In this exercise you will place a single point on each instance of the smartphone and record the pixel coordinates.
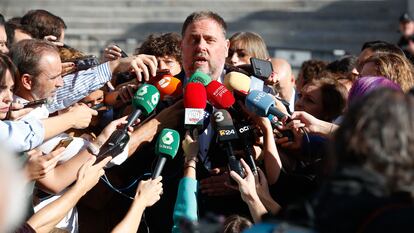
(261, 68)
(123, 53)
(63, 143)
(127, 76)
(98, 106)
(84, 63)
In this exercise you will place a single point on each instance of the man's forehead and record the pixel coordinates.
(3, 35)
(50, 63)
(205, 26)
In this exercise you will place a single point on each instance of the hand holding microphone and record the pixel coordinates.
(191, 146)
(144, 102)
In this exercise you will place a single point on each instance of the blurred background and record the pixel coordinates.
(296, 30)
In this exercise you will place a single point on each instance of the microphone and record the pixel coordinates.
(195, 101)
(245, 132)
(169, 86)
(36, 103)
(263, 104)
(238, 82)
(219, 96)
(144, 102)
(227, 133)
(200, 77)
(166, 148)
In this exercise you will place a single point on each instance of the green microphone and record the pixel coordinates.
(200, 77)
(144, 102)
(166, 148)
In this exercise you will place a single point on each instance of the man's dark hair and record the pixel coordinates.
(379, 46)
(343, 65)
(2, 20)
(333, 95)
(236, 223)
(199, 15)
(26, 55)
(11, 26)
(164, 45)
(41, 23)
(312, 69)
(7, 65)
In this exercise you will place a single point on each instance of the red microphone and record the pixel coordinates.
(195, 101)
(219, 96)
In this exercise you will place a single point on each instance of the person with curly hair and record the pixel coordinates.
(390, 65)
(166, 48)
(309, 70)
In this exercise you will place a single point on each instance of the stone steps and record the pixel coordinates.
(305, 24)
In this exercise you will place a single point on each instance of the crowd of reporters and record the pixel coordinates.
(94, 145)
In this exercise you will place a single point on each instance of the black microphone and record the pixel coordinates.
(226, 133)
(245, 132)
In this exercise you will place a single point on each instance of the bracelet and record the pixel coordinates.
(187, 166)
(330, 130)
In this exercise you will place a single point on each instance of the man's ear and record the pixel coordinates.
(26, 81)
(227, 47)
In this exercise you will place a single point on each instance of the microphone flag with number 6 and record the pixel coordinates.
(166, 148)
(144, 102)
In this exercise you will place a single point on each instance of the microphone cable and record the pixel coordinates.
(105, 179)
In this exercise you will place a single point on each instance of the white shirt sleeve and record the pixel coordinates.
(22, 135)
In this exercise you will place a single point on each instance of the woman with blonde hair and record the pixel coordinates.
(243, 46)
(393, 66)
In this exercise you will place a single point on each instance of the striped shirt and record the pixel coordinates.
(78, 85)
